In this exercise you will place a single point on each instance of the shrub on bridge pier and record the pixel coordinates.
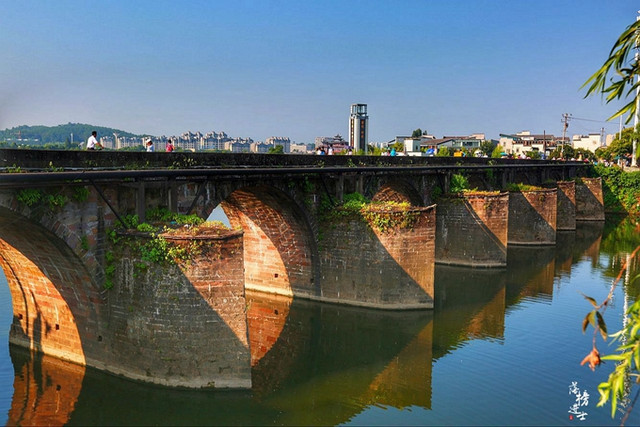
(383, 216)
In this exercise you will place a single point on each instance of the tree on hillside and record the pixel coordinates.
(617, 78)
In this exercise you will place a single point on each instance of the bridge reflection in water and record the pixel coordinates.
(314, 363)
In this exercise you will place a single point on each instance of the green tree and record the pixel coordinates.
(497, 152)
(616, 79)
(621, 145)
(534, 154)
(416, 133)
(444, 152)
(278, 149)
(487, 147)
(399, 146)
(617, 76)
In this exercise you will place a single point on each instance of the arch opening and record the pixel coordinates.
(398, 191)
(53, 296)
(277, 240)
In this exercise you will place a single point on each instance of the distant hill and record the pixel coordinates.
(39, 135)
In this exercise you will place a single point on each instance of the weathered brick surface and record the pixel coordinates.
(56, 305)
(276, 240)
(472, 230)
(362, 266)
(566, 216)
(589, 200)
(397, 191)
(187, 326)
(182, 325)
(532, 217)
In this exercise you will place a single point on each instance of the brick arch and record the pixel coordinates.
(277, 240)
(398, 191)
(55, 302)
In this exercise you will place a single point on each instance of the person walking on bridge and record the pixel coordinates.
(92, 142)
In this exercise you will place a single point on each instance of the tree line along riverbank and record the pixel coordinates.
(621, 190)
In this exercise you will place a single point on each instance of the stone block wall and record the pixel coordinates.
(533, 217)
(589, 200)
(360, 265)
(181, 325)
(472, 229)
(566, 215)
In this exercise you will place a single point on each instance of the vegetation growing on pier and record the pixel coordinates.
(379, 215)
(164, 239)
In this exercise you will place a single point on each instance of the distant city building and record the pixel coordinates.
(525, 141)
(300, 149)
(214, 141)
(239, 145)
(590, 142)
(260, 147)
(337, 143)
(279, 140)
(471, 142)
(358, 127)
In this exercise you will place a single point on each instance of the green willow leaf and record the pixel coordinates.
(591, 300)
(601, 325)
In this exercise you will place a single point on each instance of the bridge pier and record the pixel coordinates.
(472, 229)
(566, 217)
(182, 324)
(364, 266)
(589, 200)
(533, 217)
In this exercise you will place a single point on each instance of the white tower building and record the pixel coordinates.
(359, 127)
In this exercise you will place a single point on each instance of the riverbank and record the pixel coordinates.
(621, 189)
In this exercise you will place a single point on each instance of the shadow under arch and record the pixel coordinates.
(398, 191)
(279, 250)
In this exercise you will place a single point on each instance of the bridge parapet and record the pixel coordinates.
(68, 159)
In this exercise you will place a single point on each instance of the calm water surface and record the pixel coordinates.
(501, 347)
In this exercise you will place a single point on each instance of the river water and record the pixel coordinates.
(501, 347)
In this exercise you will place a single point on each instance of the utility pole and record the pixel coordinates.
(565, 120)
(635, 117)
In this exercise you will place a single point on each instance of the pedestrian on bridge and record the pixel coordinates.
(92, 142)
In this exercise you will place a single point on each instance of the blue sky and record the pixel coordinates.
(292, 68)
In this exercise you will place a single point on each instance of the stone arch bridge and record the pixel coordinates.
(186, 325)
